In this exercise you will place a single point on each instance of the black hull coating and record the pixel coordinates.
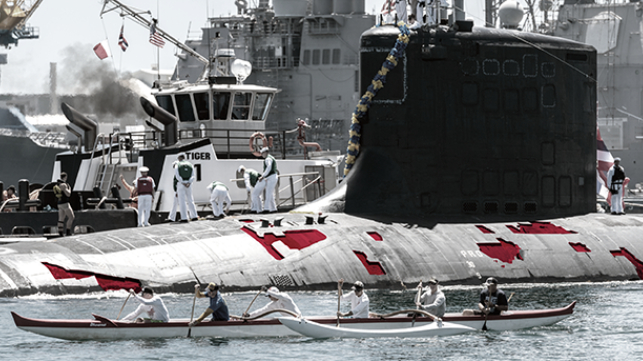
(486, 123)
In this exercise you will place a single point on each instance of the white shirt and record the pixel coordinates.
(154, 307)
(359, 305)
(435, 304)
(246, 180)
(268, 163)
(283, 301)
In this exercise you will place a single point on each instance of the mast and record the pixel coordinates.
(137, 17)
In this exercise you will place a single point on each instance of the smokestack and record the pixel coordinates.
(53, 80)
(169, 121)
(87, 125)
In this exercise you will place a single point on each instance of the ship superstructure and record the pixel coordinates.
(310, 53)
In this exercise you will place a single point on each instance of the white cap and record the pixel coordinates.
(265, 149)
(182, 154)
(144, 169)
(273, 292)
(617, 159)
(241, 168)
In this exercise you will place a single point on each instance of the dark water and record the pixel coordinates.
(607, 325)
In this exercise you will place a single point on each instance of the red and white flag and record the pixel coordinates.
(388, 7)
(155, 37)
(604, 161)
(122, 42)
(102, 50)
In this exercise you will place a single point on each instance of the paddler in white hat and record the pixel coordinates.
(278, 300)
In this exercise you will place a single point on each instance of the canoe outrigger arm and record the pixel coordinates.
(422, 312)
(281, 310)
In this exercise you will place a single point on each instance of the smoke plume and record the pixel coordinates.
(104, 93)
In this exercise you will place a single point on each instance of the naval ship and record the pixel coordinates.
(475, 156)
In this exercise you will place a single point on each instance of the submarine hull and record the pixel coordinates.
(241, 254)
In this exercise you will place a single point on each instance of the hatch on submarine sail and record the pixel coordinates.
(477, 159)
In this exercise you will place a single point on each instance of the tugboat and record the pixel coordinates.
(218, 122)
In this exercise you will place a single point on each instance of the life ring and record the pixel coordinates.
(254, 149)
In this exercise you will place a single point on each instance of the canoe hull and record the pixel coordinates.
(115, 330)
(316, 330)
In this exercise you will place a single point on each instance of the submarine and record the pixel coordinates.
(475, 156)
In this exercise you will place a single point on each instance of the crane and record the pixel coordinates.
(13, 18)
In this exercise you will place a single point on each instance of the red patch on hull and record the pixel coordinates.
(376, 236)
(373, 268)
(505, 251)
(579, 247)
(630, 257)
(104, 281)
(484, 229)
(298, 239)
(539, 228)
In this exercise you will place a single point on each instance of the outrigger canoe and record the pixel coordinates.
(317, 330)
(102, 328)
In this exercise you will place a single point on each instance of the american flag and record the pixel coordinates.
(122, 42)
(605, 161)
(155, 38)
(388, 7)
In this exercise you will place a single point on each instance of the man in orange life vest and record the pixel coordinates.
(145, 189)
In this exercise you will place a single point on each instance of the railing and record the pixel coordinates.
(228, 143)
(291, 184)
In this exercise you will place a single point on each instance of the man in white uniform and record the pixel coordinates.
(433, 300)
(268, 180)
(615, 179)
(278, 300)
(150, 304)
(144, 187)
(358, 299)
(250, 179)
(184, 176)
(218, 196)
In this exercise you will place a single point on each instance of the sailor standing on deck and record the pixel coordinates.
(279, 300)
(62, 191)
(268, 180)
(184, 176)
(250, 178)
(218, 196)
(615, 179)
(358, 299)
(144, 187)
(433, 300)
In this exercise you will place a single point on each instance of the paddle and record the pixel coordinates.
(119, 312)
(193, 303)
(339, 298)
(484, 326)
(253, 301)
(417, 302)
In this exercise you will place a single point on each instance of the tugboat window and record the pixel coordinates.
(202, 105)
(241, 107)
(220, 105)
(184, 105)
(326, 56)
(165, 102)
(262, 103)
